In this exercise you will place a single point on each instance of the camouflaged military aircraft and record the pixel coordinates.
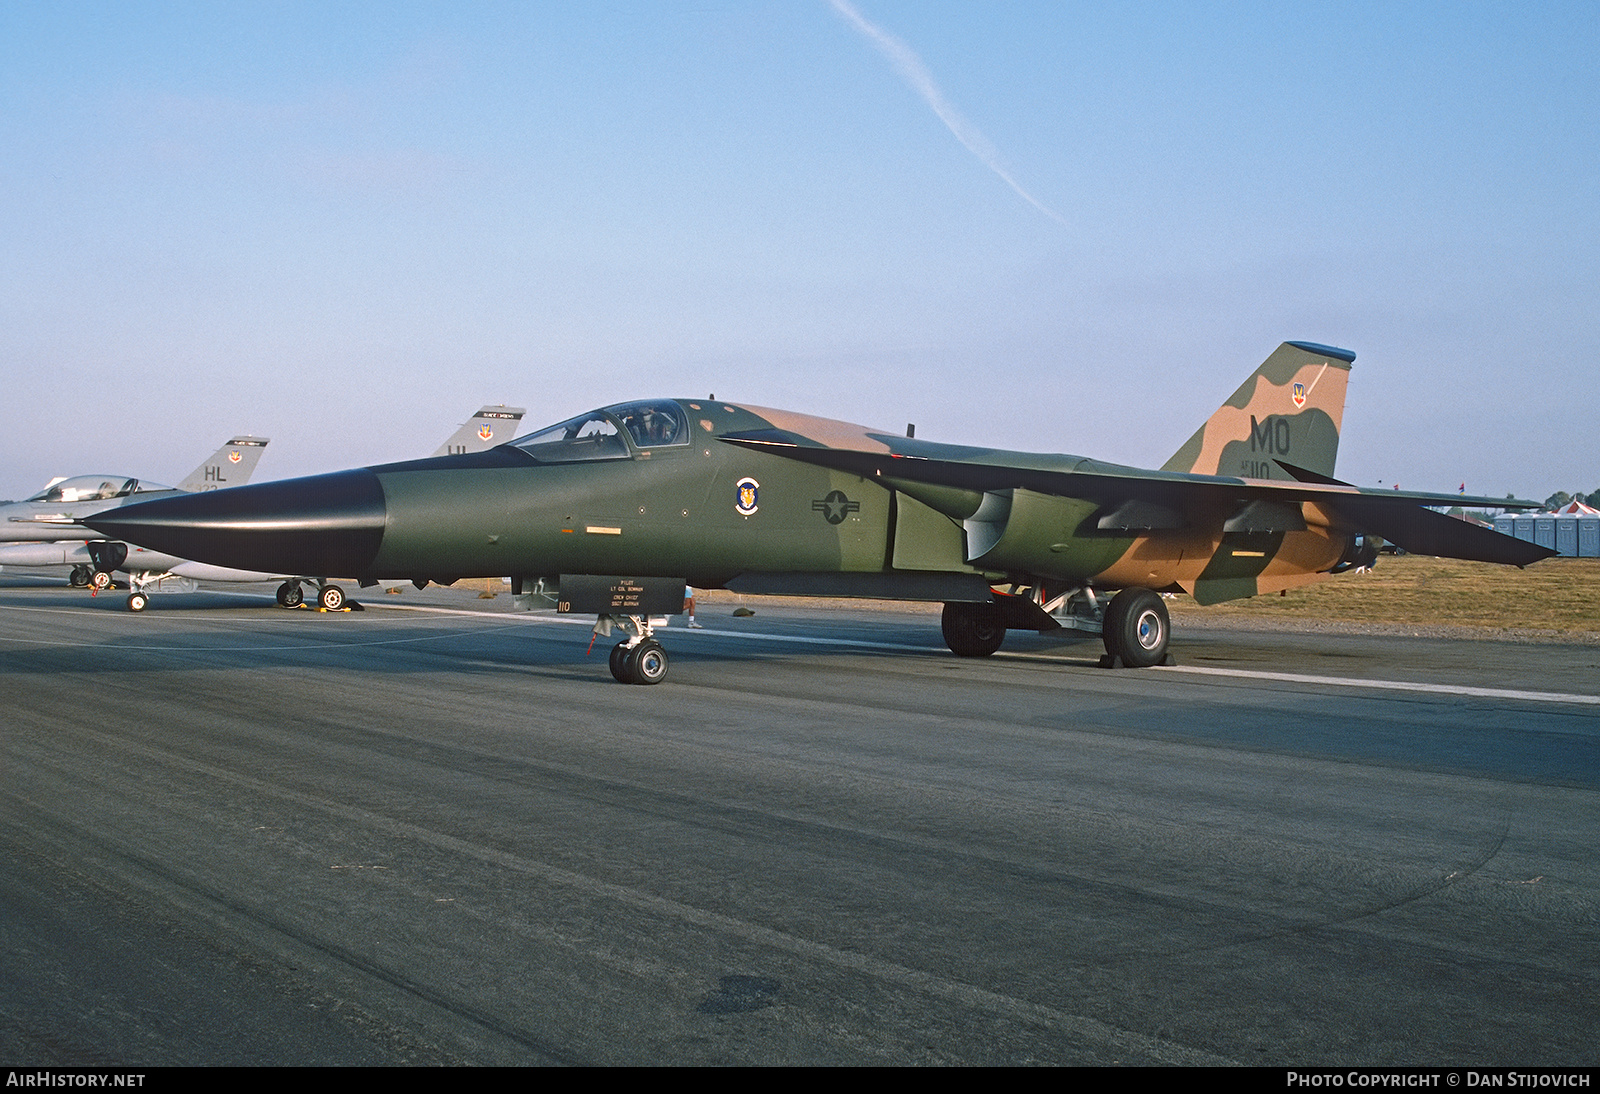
(611, 512)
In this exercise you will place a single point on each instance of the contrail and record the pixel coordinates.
(916, 74)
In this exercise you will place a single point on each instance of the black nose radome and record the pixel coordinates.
(321, 526)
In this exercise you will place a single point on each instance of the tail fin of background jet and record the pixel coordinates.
(232, 465)
(488, 427)
(1289, 409)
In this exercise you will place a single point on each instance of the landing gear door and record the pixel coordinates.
(592, 594)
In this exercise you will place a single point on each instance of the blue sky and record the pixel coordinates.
(347, 226)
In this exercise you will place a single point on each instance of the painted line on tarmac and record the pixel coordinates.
(1389, 685)
(1461, 690)
(799, 639)
(1197, 670)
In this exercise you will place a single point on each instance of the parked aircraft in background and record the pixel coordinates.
(44, 530)
(613, 511)
(149, 570)
(490, 426)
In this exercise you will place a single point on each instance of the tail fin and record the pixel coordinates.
(231, 465)
(488, 427)
(1290, 408)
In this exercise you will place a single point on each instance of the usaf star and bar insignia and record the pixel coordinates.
(835, 507)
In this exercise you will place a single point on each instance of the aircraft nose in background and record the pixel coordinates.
(322, 525)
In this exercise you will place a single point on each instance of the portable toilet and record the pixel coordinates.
(1589, 537)
(1544, 532)
(1567, 536)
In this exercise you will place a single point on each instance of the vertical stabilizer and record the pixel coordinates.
(232, 465)
(1289, 409)
(488, 427)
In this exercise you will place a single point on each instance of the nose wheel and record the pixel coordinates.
(639, 658)
(643, 663)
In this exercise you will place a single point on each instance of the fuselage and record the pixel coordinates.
(651, 489)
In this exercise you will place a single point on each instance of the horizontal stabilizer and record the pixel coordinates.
(1423, 532)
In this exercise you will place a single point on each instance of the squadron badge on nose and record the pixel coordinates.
(746, 493)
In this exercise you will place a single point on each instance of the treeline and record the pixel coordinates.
(1561, 498)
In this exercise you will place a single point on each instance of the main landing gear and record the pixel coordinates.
(1134, 626)
(330, 598)
(1136, 630)
(639, 658)
(81, 576)
(973, 630)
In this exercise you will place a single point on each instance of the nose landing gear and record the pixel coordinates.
(639, 659)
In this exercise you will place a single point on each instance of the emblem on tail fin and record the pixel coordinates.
(1253, 428)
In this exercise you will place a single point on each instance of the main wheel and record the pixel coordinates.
(973, 630)
(137, 602)
(1137, 628)
(331, 598)
(649, 662)
(80, 577)
(290, 595)
(620, 672)
(100, 580)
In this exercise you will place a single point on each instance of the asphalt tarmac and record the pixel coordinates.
(437, 832)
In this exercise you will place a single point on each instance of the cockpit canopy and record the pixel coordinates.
(94, 488)
(607, 434)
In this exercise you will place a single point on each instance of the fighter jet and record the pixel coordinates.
(611, 512)
(148, 570)
(40, 531)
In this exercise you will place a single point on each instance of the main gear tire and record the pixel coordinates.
(331, 598)
(973, 630)
(290, 595)
(1137, 628)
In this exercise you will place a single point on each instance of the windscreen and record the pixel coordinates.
(87, 488)
(599, 434)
